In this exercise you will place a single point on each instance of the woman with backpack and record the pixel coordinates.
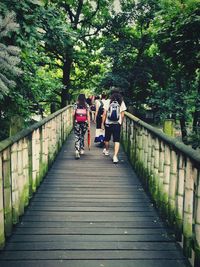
(112, 119)
(100, 134)
(81, 124)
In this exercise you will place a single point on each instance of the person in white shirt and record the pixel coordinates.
(112, 119)
(99, 134)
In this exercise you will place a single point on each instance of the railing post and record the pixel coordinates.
(7, 191)
(180, 197)
(156, 170)
(35, 159)
(128, 138)
(149, 160)
(15, 186)
(145, 144)
(25, 170)
(145, 157)
(20, 177)
(2, 236)
(131, 153)
(172, 187)
(188, 210)
(197, 224)
(44, 152)
(30, 165)
(166, 179)
(161, 174)
(152, 160)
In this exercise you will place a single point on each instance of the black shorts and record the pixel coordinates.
(114, 130)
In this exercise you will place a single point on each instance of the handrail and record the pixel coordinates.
(24, 160)
(170, 171)
(9, 141)
(188, 151)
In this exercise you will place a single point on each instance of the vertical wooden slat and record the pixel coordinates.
(34, 160)
(25, 159)
(166, 179)
(15, 189)
(161, 174)
(156, 169)
(197, 224)
(30, 164)
(20, 177)
(2, 235)
(172, 187)
(7, 191)
(188, 210)
(180, 197)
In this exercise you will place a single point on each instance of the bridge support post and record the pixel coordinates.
(188, 211)
(197, 225)
(15, 190)
(172, 187)
(7, 191)
(156, 170)
(20, 178)
(2, 236)
(180, 197)
(25, 171)
(166, 179)
(161, 175)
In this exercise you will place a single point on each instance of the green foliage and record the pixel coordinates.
(149, 48)
(9, 54)
(178, 35)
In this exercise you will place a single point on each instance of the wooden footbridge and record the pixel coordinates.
(90, 212)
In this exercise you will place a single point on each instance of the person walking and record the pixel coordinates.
(112, 120)
(81, 124)
(99, 134)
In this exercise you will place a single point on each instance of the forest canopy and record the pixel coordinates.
(50, 51)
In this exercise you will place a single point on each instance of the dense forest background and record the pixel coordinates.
(50, 51)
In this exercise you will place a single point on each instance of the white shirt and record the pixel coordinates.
(122, 108)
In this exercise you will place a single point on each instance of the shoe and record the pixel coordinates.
(82, 152)
(77, 155)
(115, 159)
(105, 152)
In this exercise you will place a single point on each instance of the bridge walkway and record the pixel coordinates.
(90, 212)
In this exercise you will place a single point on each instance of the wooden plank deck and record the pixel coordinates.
(90, 212)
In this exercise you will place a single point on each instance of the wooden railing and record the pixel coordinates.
(24, 160)
(170, 171)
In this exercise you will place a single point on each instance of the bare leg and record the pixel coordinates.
(116, 148)
(107, 145)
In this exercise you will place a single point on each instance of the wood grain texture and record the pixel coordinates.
(90, 212)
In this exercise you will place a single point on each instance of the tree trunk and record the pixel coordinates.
(183, 128)
(196, 115)
(183, 117)
(66, 82)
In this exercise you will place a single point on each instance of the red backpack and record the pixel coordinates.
(81, 114)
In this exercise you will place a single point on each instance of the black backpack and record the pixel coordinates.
(100, 110)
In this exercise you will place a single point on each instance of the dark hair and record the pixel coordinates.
(116, 97)
(82, 100)
(103, 96)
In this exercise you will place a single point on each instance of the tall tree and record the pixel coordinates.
(84, 20)
(9, 54)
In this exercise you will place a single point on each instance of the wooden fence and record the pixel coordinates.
(170, 171)
(24, 160)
